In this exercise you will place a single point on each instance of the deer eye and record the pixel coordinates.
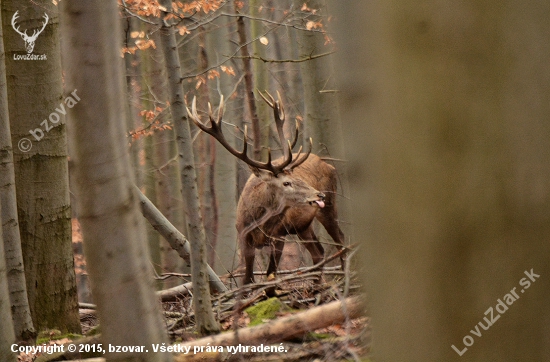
(286, 183)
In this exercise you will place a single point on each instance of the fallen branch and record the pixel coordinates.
(174, 292)
(177, 240)
(283, 328)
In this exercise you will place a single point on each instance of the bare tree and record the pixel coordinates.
(115, 246)
(7, 336)
(202, 303)
(447, 109)
(20, 310)
(226, 165)
(36, 110)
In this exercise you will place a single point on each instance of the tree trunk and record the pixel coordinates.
(448, 111)
(260, 75)
(41, 173)
(226, 164)
(20, 311)
(207, 161)
(249, 86)
(206, 323)
(321, 121)
(149, 71)
(7, 336)
(115, 246)
(167, 172)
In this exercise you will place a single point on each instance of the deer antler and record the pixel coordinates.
(215, 130)
(279, 115)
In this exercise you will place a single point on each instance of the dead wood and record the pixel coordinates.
(281, 329)
(177, 240)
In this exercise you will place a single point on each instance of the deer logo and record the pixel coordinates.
(29, 40)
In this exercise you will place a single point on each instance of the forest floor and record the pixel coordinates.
(243, 307)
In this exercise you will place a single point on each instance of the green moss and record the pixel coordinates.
(94, 330)
(54, 334)
(317, 336)
(267, 309)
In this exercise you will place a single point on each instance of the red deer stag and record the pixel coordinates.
(281, 197)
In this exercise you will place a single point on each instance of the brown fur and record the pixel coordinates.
(268, 211)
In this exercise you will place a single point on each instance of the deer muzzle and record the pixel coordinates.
(319, 200)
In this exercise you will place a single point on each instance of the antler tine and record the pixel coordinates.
(270, 101)
(298, 161)
(295, 136)
(215, 130)
(220, 111)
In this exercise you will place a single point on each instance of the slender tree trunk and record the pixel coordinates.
(207, 162)
(226, 164)
(448, 113)
(149, 71)
(202, 303)
(321, 120)
(149, 184)
(167, 172)
(249, 87)
(36, 103)
(20, 311)
(133, 88)
(7, 336)
(115, 247)
(260, 75)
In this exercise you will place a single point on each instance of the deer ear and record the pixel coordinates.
(261, 174)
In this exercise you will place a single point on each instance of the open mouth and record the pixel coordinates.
(320, 203)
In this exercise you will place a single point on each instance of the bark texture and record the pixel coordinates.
(7, 336)
(206, 323)
(37, 107)
(20, 310)
(114, 238)
(226, 164)
(447, 107)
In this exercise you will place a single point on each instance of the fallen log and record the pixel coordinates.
(177, 240)
(174, 292)
(280, 329)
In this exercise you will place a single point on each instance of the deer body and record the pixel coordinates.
(281, 197)
(265, 215)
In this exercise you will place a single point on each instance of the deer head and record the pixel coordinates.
(29, 40)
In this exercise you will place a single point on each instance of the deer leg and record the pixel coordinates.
(249, 253)
(275, 256)
(312, 245)
(328, 218)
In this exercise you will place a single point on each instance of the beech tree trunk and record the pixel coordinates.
(167, 171)
(7, 336)
(447, 107)
(20, 311)
(114, 240)
(202, 302)
(249, 86)
(37, 107)
(260, 74)
(226, 164)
